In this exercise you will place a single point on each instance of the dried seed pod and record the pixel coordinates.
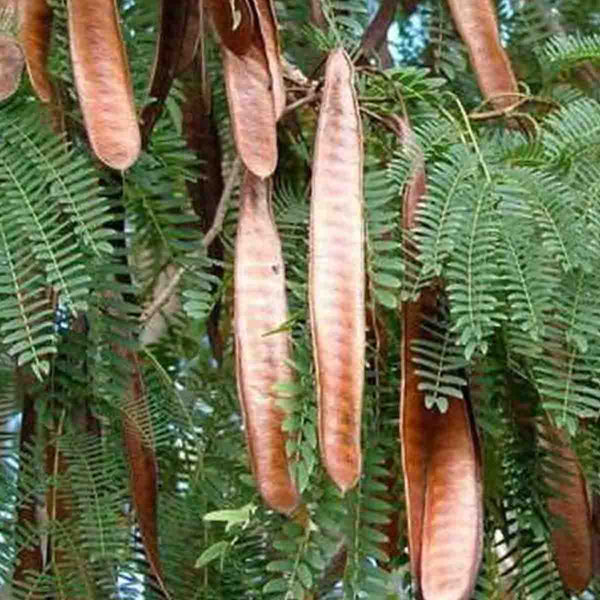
(34, 33)
(250, 97)
(572, 538)
(173, 19)
(103, 82)
(476, 23)
(337, 273)
(267, 23)
(143, 469)
(260, 307)
(235, 23)
(440, 452)
(192, 36)
(11, 66)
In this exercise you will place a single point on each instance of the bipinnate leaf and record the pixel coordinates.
(103, 82)
(337, 273)
(477, 25)
(34, 32)
(262, 351)
(171, 36)
(11, 66)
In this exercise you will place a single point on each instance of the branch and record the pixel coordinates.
(376, 33)
(211, 234)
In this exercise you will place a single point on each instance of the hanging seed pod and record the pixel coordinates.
(103, 82)
(440, 452)
(173, 19)
(248, 83)
(235, 23)
(34, 33)
(337, 273)
(571, 539)
(11, 66)
(143, 470)
(476, 23)
(260, 307)
(267, 24)
(192, 37)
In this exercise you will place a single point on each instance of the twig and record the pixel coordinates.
(211, 234)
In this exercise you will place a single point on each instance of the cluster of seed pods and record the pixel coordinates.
(441, 455)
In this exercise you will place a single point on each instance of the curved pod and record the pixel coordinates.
(34, 33)
(260, 307)
(337, 273)
(234, 22)
(477, 25)
(103, 82)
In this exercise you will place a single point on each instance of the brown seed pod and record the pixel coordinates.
(34, 33)
(260, 307)
(267, 23)
(173, 18)
(572, 539)
(11, 66)
(235, 23)
(251, 107)
(476, 23)
(440, 452)
(337, 273)
(143, 469)
(103, 82)
(192, 36)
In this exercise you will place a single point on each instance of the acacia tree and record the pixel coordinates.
(299, 301)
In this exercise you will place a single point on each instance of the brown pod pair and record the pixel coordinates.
(440, 453)
(477, 25)
(571, 538)
(253, 77)
(337, 273)
(103, 82)
(261, 352)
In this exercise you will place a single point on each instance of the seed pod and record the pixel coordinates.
(440, 452)
(143, 470)
(173, 18)
(248, 83)
(192, 36)
(337, 273)
(34, 33)
(260, 307)
(103, 82)
(235, 23)
(476, 23)
(267, 23)
(11, 66)
(572, 538)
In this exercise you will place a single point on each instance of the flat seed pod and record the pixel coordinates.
(337, 273)
(440, 452)
(11, 66)
(103, 82)
(267, 23)
(173, 18)
(572, 538)
(260, 307)
(248, 84)
(235, 23)
(476, 23)
(34, 33)
(143, 470)
(191, 37)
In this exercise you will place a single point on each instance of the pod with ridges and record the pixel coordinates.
(261, 352)
(251, 107)
(11, 66)
(103, 82)
(34, 32)
(477, 25)
(337, 273)
(171, 35)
